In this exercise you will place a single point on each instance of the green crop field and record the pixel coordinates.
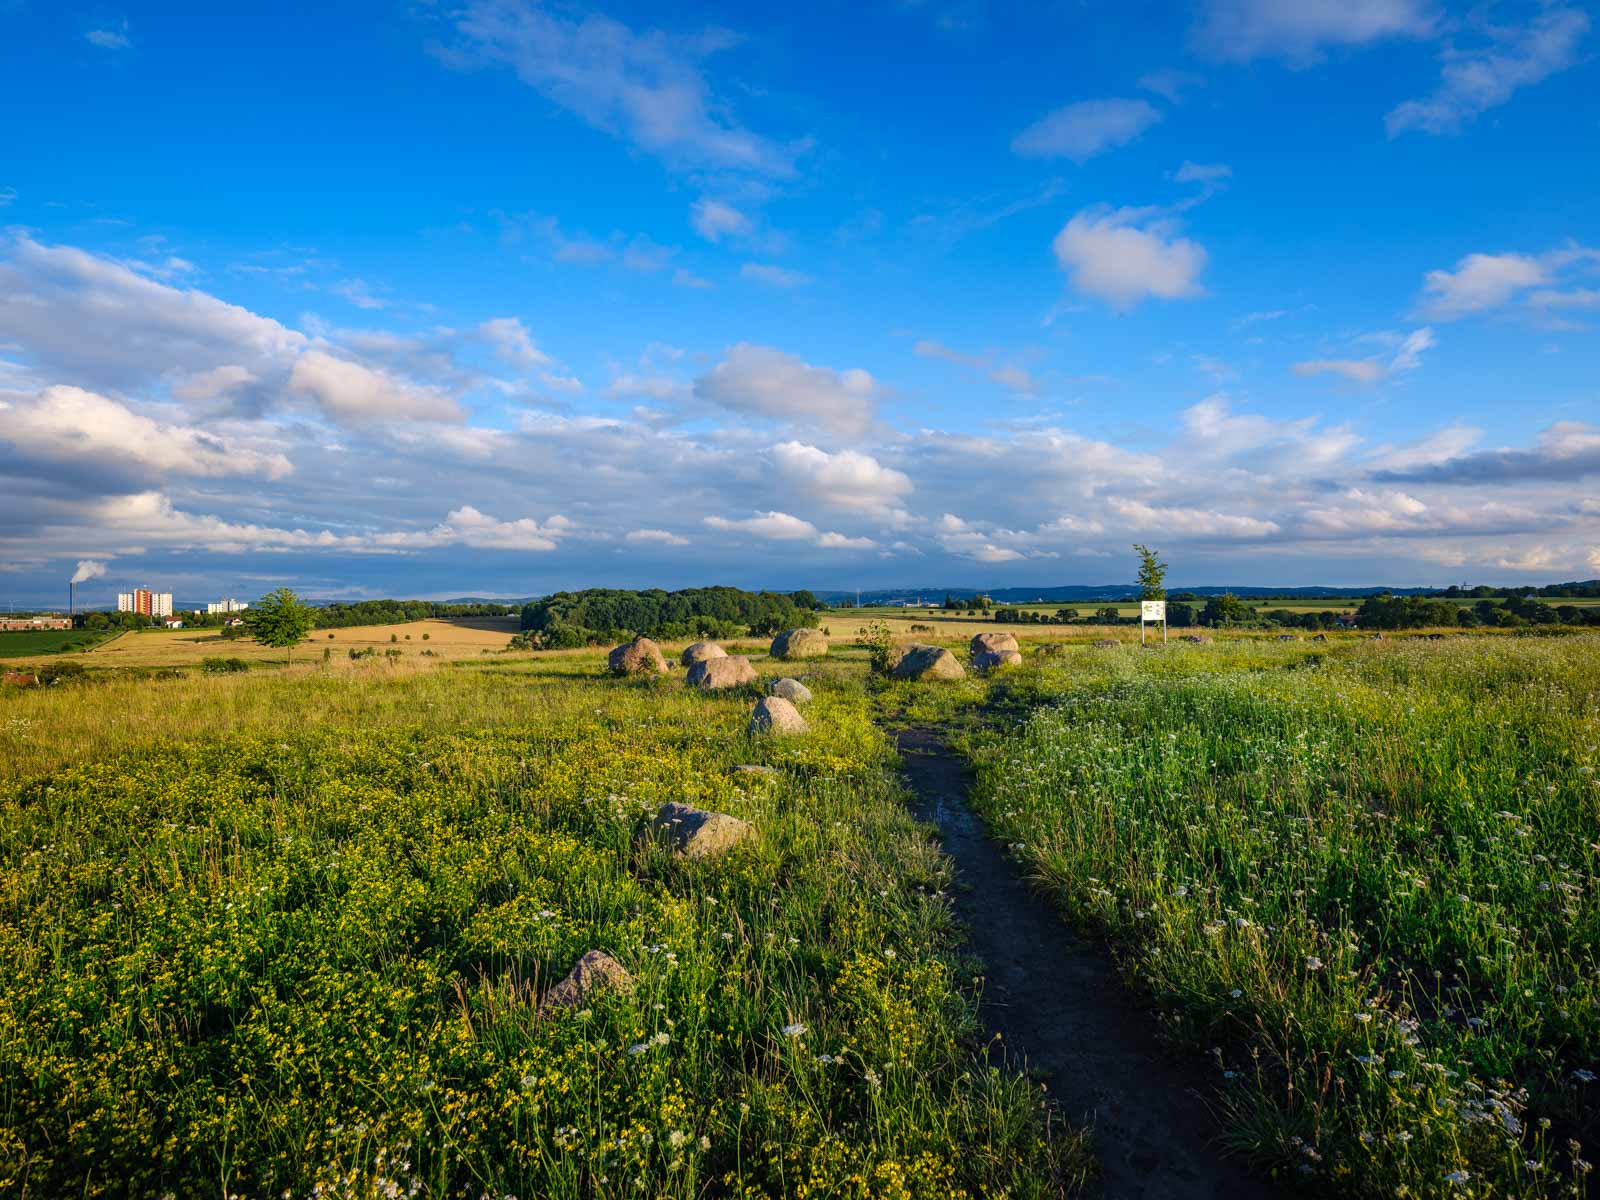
(291, 931)
(21, 643)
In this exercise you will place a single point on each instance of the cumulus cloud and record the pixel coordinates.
(70, 425)
(1564, 452)
(1082, 130)
(1299, 32)
(1127, 255)
(1473, 81)
(512, 342)
(1482, 283)
(649, 88)
(349, 391)
(845, 479)
(766, 382)
(784, 527)
(466, 526)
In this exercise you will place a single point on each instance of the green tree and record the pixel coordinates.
(280, 620)
(1152, 574)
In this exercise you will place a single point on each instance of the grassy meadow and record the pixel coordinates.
(1363, 881)
(284, 933)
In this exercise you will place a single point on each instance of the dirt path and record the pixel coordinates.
(1060, 1007)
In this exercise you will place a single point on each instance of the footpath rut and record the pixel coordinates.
(1060, 1008)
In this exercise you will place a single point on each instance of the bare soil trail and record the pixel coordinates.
(1060, 1007)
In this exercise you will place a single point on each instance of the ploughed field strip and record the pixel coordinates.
(1359, 880)
(622, 937)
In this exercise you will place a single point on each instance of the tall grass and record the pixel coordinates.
(1364, 881)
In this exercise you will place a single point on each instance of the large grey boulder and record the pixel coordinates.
(994, 660)
(638, 657)
(927, 662)
(700, 652)
(716, 674)
(799, 643)
(696, 833)
(594, 973)
(791, 690)
(774, 714)
(992, 643)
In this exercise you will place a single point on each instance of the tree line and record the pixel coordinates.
(595, 615)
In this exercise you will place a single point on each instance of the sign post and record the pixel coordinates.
(1151, 611)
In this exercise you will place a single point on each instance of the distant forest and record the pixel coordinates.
(608, 614)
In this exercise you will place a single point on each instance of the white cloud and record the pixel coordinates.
(660, 537)
(1474, 81)
(110, 39)
(466, 526)
(512, 342)
(1008, 375)
(359, 293)
(1126, 255)
(1190, 522)
(783, 527)
(69, 425)
(1169, 83)
(1082, 130)
(773, 276)
(1209, 174)
(1480, 282)
(766, 382)
(716, 219)
(648, 87)
(845, 479)
(349, 391)
(1407, 357)
(1300, 30)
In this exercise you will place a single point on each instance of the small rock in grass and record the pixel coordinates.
(791, 690)
(700, 652)
(696, 833)
(715, 674)
(927, 662)
(1198, 639)
(1106, 643)
(799, 643)
(992, 643)
(594, 973)
(757, 769)
(774, 714)
(638, 657)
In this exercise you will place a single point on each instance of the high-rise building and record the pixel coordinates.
(229, 605)
(145, 602)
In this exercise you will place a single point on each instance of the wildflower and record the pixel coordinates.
(677, 1137)
(705, 1142)
(1313, 963)
(1583, 1076)
(1236, 993)
(794, 1031)
(1457, 1177)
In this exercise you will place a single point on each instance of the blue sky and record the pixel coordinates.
(495, 297)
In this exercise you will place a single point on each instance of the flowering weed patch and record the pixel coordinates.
(304, 957)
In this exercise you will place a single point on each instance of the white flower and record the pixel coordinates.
(1457, 1177)
(677, 1137)
(1313, 963)
(793, 1031)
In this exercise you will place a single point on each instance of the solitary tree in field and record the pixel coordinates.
(1152, 574)
(280, 620)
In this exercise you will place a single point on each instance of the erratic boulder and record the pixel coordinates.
(638, 657)
(696, 833)
(715, 674)
(994, 660)
(1198, 639)
(799, 643)
(595, 972)
(992, 643)
(791, 690)
(774, 714)
(1106, 643)
(700, 652)
(927, 662)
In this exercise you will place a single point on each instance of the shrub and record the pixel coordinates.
(223, 666)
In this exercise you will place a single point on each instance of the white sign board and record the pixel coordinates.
(1152, 610)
